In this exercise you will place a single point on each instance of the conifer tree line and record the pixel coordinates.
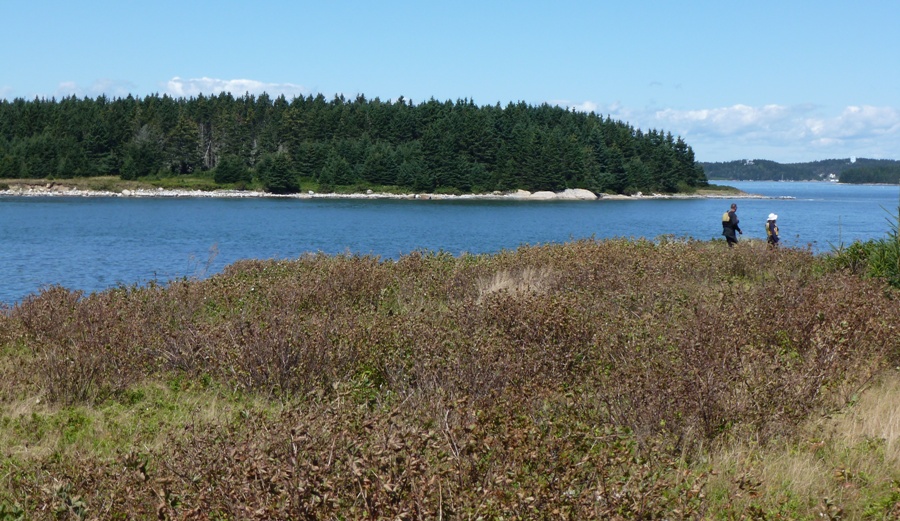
(278, 143)
(881, 174)
(848, 170)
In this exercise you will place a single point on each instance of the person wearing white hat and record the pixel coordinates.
(772, 231)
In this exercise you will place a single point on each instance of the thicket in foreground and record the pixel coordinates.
(584, 380)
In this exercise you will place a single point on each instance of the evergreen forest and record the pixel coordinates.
(283, 146)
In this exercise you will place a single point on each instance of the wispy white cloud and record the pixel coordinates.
(858, 122)
(179, 87)
(728, 120)
(587, 106)
(104, 86)
(68, 88)
(786, 133)
(176, 87)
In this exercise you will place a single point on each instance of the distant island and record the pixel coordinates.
(850, 170)
(286, 146)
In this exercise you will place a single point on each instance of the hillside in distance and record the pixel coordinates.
(848, 170)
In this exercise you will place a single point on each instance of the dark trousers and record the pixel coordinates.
(730, 236)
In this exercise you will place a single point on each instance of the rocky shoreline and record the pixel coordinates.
(577, 194)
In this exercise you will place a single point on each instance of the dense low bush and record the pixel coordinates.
(878, 258)
(584, 380)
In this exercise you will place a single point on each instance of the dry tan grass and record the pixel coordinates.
(520, 281)
(843, 459)
(875, 416)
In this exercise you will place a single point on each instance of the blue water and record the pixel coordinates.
(95, 243)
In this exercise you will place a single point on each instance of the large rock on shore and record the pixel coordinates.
(577, 193)
(569, 194)
(543, 195)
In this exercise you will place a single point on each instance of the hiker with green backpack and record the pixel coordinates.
(730, 225)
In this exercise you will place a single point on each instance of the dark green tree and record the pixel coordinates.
(276, 174)
(71, 160)
(380, 165)
(38, 156)
(337, 171)
(144, 156)
(231, 170)
(310, 158)
(183, 147)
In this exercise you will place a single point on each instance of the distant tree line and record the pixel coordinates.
(280, 143)
(883, 174)
(844, 170)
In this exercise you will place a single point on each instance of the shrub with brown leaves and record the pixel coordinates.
(557, 381)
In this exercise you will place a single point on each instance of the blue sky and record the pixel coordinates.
(784, 80)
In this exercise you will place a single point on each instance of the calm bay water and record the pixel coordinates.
(95, 243)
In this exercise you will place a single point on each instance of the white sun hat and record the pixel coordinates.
(773, 217)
